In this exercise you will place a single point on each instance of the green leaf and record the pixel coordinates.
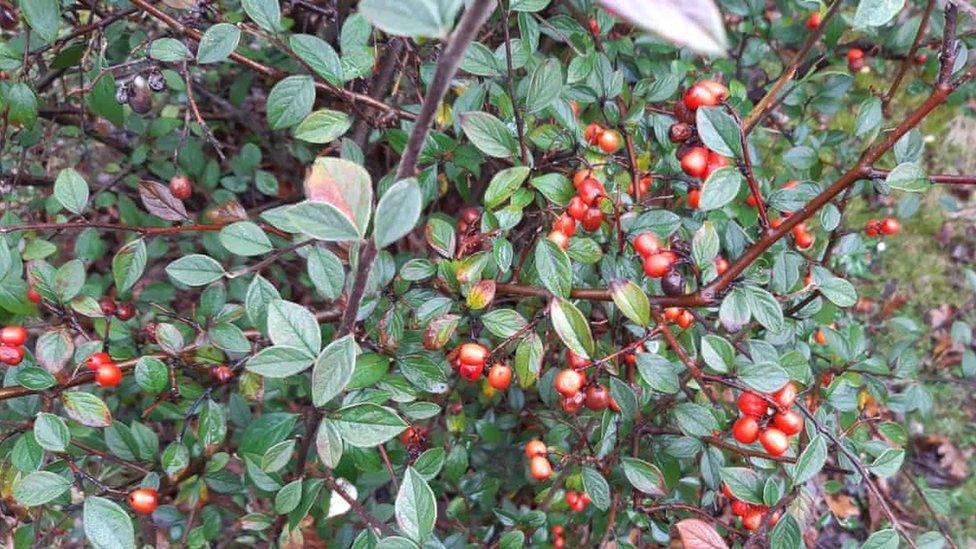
(107, 526)
(279, 361)
(195, 270)
(488, 134)
(908, 176)
(720, 188)
(765, 377)
(328, 444)
(503, 184)
(20, 102)
(397, 212)
(718, 131)
(326, 271)
(168, 50)
(545, 84)
(217, 43)
(323, 126)
(745, 483)
(71, 190)
(228, 337)
(424, 373)
(323, 222)
(810, 461)
(319, 55)
(786, 534)
(556, 187)
(868, 118)
(415, 507)
(888, 463)
(840, 292)
(658, 372)
(430, 18)
(366, 425)
(266, 13)
(717, 353)
(705, 244)
(128, 264)
(86, 408)
(245, 238)
(69, 279)
(291, 324)
(43, 16)
(552, 264)
(882, 539)
(874, 13)
(632, 301)
(51, 432)
(39, 487)
(35, 378)
(571, 327)
(528, 359)
(764, 308)
(287, 499)
(291, 99)
(152, 374)
(596, 487)
(695, 420)
(644, 476)
(503, 322)
(333, 370)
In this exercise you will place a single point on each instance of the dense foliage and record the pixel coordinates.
(404, 273)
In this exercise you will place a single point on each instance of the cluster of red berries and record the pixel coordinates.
(772, 432)
(598, 136)
(570, 382)
(657, 261)
(855, 59)
(181, 187)
(682, 317)
(12, 339)
(887, 226)
(577, 501)
(122, 311)
(697, 160)
(584, 207)
(143, 500)
(752, 515)
(558, 536)
(107, 372)
(801, 234)
(538, 454)
(469, 359)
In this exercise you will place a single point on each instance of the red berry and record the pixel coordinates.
(575, 361)
(695, 161)
(108, 375)
(673, 313)
(646, 244)
(890, 226)
(699, 95)
(540, 468)
(143, 500)
(572, 498)
(814, 20)
(32, 295)
(473, 353)
(694, 198)
(751, 404)
(580, 176)
(125, 311)
(572, 403)
(181, 187)
(500, 376)
(717, 88)
(657, 265)
(470, 372)
(740, 508)
(568, 382)
(790, 422)
(222, 373)
(921, 58)
(686, 319)
(752, 520)
(13, 335)
(577, 208)
(854, 54)
(535, 448)
(597, 398)
(820, 337)
(721, 265)
(593, 219)
(786, 395)
(715, 162)
(558, 238)
(746, 430)
(95, 360)
(774, 441)
(609, 142)
(107, 305)
(592, 133)
(565, 224)
(11, 356)
(803, 239)
(414, 435)
(727, 491)
(590, 190)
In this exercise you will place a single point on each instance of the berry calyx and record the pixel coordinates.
(535, 448)
(222, 373)
(751, 404)
(143, 500)
(13, 335)
(568, 382)
(746, 430)
(774, 441)
(680, 132)
(108, 375)
(500, 376)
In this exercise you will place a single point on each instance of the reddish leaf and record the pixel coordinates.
(698, 534)
(344, 185)
(160, 202)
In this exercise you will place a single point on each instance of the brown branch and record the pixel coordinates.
(145, 231)
(519, 125)
(688, 362)
(909, 60)
(938, 179)
(789, 72)
(746, 168)
(947, 55)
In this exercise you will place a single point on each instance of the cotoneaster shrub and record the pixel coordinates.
(404, 273)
